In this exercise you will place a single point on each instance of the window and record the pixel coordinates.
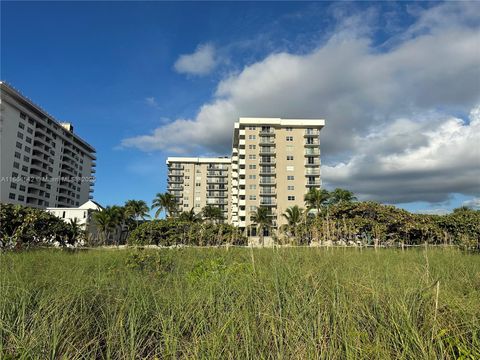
(197, 199)
(252, 176)
(13, 185)
(31, 121)
(289, 148)
(27, 149)
(185, 205)
(252, 187)
(289, 138)
(290, 168)
(252, 146)
(198, 178)
(26, 158)
(252, 156)
(21, 125)
(186, 177)
(252, 197)
(25, 168)
(11, 196)
(291, 197)
(197, 205)
(23, 115)
(17, 155)
(289, 157)
(198, 184)
(22, 188)
(30, 130)
(252, 137)
(252, 166)
(291, 187)
(29, 140)
(16, 165)
(251, 128)
(21, 197)
(48, 186)
(18, 145)
(290, 177)
(289, 129)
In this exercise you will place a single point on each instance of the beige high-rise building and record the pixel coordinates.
(274, 164)
(43, 163)
(197, 182)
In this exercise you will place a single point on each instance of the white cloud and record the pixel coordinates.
(473, 203)
(422, 159)
(398, 105)
(152, 102)
(199, 63)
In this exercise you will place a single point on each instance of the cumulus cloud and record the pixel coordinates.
(397, 105)
(408, 160)
(199, 63)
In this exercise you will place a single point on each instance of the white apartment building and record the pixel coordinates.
(274, 164)
(43, 163)
(197, 182)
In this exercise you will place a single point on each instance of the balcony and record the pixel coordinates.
(267, 132)
(175, 173)
(313, 183)
(267, 150)
(267, 181)
(311, 133)
(217, 181)
(268, 202)
(267, 161)
(217, 194)
(310, 142)
(312, 164)
(312, 152)
(175, 187)
(267, 171)
(268, 192)
(265, 140)
(176, 166)
(217, 174)
(312, 172)
(175, 180)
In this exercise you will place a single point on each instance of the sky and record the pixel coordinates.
(398, 84)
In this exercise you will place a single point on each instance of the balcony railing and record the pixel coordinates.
(267, 171)
(312, 172)
(312, 142)
(217, 181)
(268, 150)
(266, 140)
(217, 173)
(175, 180)
(312, 152)
(314, 183)
(267, 131)
(267, 161)
(268, 202)
(311, 132)
(315, 163)
(267, 181)
(176, 166)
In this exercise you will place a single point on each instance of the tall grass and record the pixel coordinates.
(297, 303)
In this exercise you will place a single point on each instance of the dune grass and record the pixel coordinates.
(292, 303)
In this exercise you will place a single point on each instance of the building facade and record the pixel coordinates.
(43, 163)
(274, 164)
(198, 182)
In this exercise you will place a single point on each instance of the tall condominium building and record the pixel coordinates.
(43, 163)
(197, 182)
(274, 164)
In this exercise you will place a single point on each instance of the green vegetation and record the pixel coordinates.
(293, 303)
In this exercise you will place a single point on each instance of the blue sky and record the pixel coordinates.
(138, 78)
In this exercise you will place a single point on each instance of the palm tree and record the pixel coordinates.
(165, 202)
(108, 220)
(261, 217)
(75, 230)
(316, 199)
(212, 213)
(294, 216)
(136, 209)
(341, 196)
(190, 216)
